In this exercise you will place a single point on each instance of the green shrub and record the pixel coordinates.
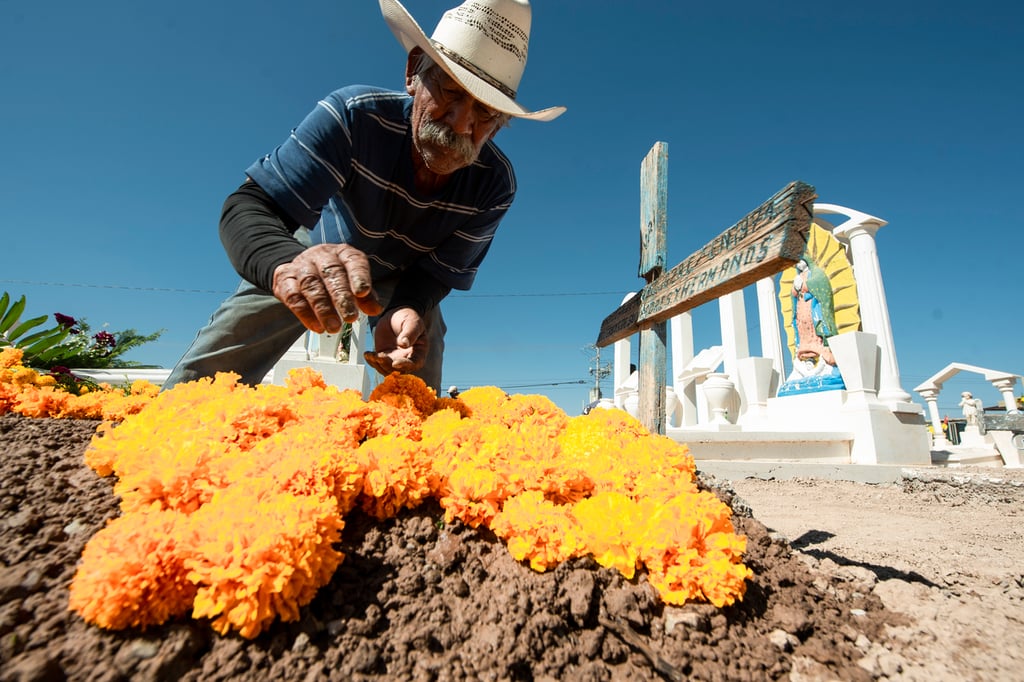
(70, 343)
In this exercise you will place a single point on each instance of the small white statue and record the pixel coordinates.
(972, 407)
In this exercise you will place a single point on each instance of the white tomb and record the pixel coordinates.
(725, 404)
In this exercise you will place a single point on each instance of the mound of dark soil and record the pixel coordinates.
(413, 600)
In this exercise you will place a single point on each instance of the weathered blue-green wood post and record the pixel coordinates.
(653, 254)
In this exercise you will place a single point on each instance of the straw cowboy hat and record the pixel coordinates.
(482, 44)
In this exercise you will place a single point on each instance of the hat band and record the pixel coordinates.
(475, 70)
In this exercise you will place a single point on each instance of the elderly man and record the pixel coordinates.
(401, 194)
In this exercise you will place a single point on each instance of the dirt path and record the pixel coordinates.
(946, 548)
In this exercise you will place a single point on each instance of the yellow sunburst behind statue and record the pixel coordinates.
(824, 251)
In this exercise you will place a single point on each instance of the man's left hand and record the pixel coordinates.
(400, 342)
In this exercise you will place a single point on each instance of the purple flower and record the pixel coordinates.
(59, 369)
(105, 340)
(65, 320)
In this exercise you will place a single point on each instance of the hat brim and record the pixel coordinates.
(410, 35)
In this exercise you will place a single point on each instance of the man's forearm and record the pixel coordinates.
(257, 235)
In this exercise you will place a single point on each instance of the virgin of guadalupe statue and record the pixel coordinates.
(813, 313)
(819, 300)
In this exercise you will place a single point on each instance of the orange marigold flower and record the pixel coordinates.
(305, 459)
(402, 390)
(132, 572)
(453, 404)
(100, 460)
(397, 475)
(301, 379)
(37, 402)
(476, 492)
(537, 530)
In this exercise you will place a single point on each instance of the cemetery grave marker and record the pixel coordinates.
(766, 241)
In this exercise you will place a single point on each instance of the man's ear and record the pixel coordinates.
(410, 69)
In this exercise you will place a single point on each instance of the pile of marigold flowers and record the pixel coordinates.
(34, 394)
(233, 497)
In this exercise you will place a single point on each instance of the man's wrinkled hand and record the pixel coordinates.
(400, 341)
(325, 285)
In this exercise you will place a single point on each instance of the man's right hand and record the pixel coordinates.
(326, 284)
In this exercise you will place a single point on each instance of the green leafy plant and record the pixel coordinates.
(70, 343)
(39, 347)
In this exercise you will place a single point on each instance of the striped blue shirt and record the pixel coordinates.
(346, 173)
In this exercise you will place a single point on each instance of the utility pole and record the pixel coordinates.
(597, 370)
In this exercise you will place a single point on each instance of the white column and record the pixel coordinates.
(357, 341)
(299, 350)
(931, 397)
(1005, 387)
(768, 313)
(324, 346)
(621, 350)
(733, 317)
(874, 311)
(680, 334)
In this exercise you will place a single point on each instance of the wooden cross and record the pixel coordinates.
(766, 241)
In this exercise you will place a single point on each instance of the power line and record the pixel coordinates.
(74, 285)
(552, 383)
(563, 293)
(122, 287)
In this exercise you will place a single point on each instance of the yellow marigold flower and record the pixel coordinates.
(7, 394)
(691, 551)
(618, 421)
(132, 572)
(395, 420)
(115, 407)
(663, 467)
(609, 522)
(10, 357)
(535, 412)
(445, 434)
(485, 403)
(261, 555)
(476, 493)
(182, 478)
(141, 387)
(24, 376)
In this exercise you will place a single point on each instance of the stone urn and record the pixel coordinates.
(718, 391)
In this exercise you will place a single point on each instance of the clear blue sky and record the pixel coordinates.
(126, 124)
